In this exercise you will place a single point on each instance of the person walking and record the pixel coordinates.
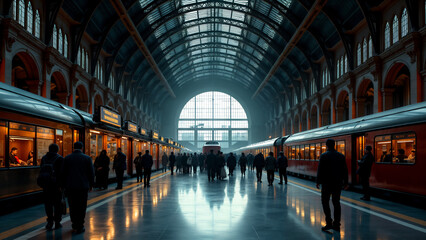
(270, 166)
(172, 160)
(49, 180)
(282, 167)
(77, 180)
(211, 165)
(194, 163)
(232, 163)
(102, 170)
(147, 165)
(185, 163)
(201, 161)
(164, 161)
(178, 162)
(259, 163)
(332, 175)
(243, 164)
(138, 165)
(220, 163)
(250, 160)
(364, 172)
(119, 166)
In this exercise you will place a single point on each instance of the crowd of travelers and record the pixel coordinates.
(73, 177)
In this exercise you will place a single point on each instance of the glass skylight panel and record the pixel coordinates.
(203, 27)
(238, 16)
(160, 31)
(145, 3)
(233, 42)
(263, 44)
(187, 2)
(224, 27)
(203, 13)
(228, 69)
(235, 30)
(231, 52)
(190, 16)
(192, 30)
(225, 13)
(286, 3)
(254, 64)
(276, 15)
(154, 16)
(263, 7)
(223, 40)
(170, 54)
(205, 40)
(196, 52)
(198, 60)
(269, 31)
(230, 61)
(241, 2)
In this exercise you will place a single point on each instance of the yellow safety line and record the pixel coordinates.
(34, 223)
(379, 209)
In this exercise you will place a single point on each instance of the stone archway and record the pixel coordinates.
(314, 117)
(342, 106)
(81, 98)
(397, 87)
(25, 74)
(58, 88)
(365, 98)
(326, 112)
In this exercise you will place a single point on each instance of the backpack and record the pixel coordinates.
(47, 176)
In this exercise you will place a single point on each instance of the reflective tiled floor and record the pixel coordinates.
(189, 207)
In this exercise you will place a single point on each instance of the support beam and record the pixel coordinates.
(303, 27)
(131, 28)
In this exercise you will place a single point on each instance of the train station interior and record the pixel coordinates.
(253, 77)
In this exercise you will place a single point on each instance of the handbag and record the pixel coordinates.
(63, 204)
(222, 172)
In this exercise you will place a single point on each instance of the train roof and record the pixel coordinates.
(20, 101)
(212, 143)
(403, 116)
(266, 143)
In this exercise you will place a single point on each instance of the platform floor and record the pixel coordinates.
(189, 207)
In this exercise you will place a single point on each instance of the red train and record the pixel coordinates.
(211, 145)
(397, 137)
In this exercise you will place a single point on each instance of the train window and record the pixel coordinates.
(60, 141)
(75, 136)
(96, 144)
(307, 152)
(45, 137)
(124, 145)
(317, 151)
(297, 153)
(302, 152)
(21, 144)
(323, 148)
(3, 134)
(383, 149)
(312, 152)
(404, 146)
(293, 152)
(360, 145)
(340, 147)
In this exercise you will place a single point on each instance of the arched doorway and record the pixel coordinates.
(58, 88)
(25, 73)
(98, 101)
(81, 98)
(326, 113)
(397, 87)
(365, 98)
(296, 124)
(343, 107)
(304, 121)
(314, 117)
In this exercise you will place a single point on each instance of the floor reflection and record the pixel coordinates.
(218, 205)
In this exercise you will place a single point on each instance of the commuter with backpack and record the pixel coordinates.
(50, 168)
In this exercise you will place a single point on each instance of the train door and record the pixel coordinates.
(358, 146)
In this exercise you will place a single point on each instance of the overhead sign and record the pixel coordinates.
(143, 131)
(162, 139)
(110, 117)
(132, 127)
(155, 135)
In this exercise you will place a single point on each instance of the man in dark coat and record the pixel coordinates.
(282, 167)
(201, 161)
(147, 165)
(119, 166)
(138, 165)
(102, 170)
(232, 163)
(243, 164)
(220, 163)
(52, 194)
(78, 177)
(172, 160)
(211, 165)
(364, 172)
(259, 163)
(332, 175)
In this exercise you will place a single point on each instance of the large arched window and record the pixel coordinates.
(60, 41)
(370, 47)
(404, 23)
(395, 30)
(37, 24)
(14, 10)
(358, 54)
(55, 37)
(364, 50)
(213, 116)
(387, 35)
(22, 12)
(65, 46)
(30, 18)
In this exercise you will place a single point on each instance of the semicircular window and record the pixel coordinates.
(213, 116)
